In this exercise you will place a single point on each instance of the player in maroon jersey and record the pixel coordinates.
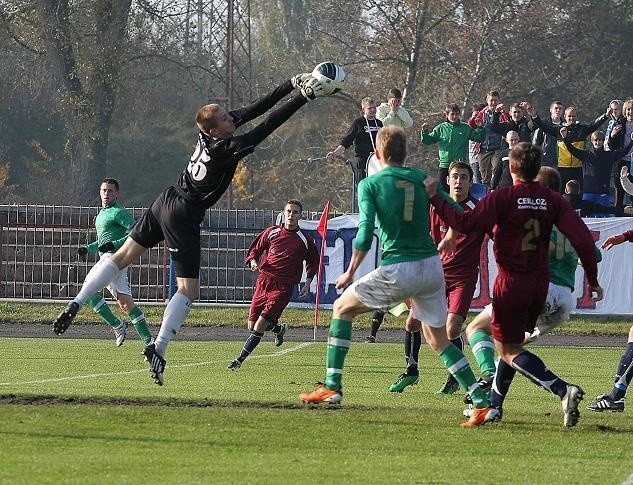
(520, 218)
(278, 253)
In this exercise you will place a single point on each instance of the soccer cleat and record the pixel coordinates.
(485, 384)
(156, 364)
(481, 416)
(451, 386)
(604, 402)
(65, 318)
(234, 365)
(468, 412)
(403, 382)
(321, 394)
(279, 336)
(370, 339)
(570, 403)
(119, 333)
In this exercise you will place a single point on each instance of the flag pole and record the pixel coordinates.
(322, 230)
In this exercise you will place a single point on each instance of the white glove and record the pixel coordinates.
(298, 80)
(313, 89)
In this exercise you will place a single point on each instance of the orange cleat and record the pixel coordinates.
(481, 416)
(322, 394)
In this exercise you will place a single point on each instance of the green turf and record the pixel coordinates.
(83, 411)
(209, 316)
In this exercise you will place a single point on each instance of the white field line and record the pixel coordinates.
(169, 367)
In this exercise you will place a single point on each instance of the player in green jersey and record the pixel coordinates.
(113, 224)
(410, 268)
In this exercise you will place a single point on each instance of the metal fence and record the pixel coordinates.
(38, 254)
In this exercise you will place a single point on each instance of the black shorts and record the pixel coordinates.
(176, 220)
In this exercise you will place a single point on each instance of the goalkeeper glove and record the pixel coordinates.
(107, 247)
(82, 252)
(313, 89)
(298, 80)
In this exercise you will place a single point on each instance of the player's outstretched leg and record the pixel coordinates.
(65, 318)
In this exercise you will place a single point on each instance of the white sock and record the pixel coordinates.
(175, 314)
(100, 276)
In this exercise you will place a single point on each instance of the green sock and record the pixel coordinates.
(337, 347)
(484, 352)
(137, 317)
(99, 305)
(457, 364)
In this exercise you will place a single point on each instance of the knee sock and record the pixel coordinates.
(484, 352)
(412, 343)
(457, 364)
(458, 342)
(175, 314)
(100, 276)
(501, 384)
(273, 327)
(535, 370)
(376, 321)
(624, 374)
(251, 342)
(137, 317)
(337, 346)
(101, 308)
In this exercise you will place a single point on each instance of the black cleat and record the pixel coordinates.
(604, 402)
(65, 318)
(156, 364)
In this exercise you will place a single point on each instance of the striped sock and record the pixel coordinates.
(501, 385)
(251, 342)
(137, 317)
(412, 343)
(457, 364)
(535, 370)
(624, 374)
(484, 352)
(101, 308)
(337, 346)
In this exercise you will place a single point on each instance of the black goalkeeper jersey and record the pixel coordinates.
(213, 163)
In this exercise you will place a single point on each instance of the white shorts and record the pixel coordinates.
(558, 306)
(120, 284)
(421, 281)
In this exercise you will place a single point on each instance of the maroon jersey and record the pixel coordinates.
(520, 218)
(464, 262)
(281, 253)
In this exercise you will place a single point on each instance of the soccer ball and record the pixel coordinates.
(331, 75)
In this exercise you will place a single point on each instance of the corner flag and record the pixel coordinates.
(322, 230)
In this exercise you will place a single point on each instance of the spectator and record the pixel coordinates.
(587, 208)
(501, 176)
(474, 146)
(549, 143)
(392, 112)
(517, 122)
(453, 136)
(491, 148)
(622, 129)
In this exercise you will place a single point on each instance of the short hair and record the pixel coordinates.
(569, 109)
(294, 202)
(572, 187)
(392, 143)
(394, 93)
(628, 104)
(366, 101)
(526, 158)
(205, 117)
(464, 165)
(452, 108)
(619, 102)
(514, 132)
(549, 178)
(516, 105)
(493, 92)
(554, 103)
(111, 181)
(597, 135)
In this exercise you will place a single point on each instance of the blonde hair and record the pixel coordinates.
(366, 101)
(391, 142)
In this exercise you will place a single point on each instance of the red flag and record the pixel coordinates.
(322, 226)
(322, 230)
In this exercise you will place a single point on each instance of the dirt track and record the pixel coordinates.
(231, 333)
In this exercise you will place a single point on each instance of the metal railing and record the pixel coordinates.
(38, 254)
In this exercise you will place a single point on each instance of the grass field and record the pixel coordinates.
(83, 411)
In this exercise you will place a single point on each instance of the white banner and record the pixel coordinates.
(615, 272)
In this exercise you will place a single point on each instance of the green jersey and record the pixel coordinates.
(113, 224)
(563, 260)
(397, 199)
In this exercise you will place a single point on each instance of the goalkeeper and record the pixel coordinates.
(113, 224)
(176, 214)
